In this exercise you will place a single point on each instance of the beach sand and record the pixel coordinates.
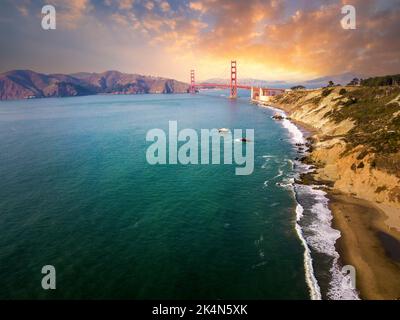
(367, 244)
(369, 238)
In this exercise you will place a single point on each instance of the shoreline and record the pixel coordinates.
(365, 242)
(92, 95)
(299, 137)
(360, 223)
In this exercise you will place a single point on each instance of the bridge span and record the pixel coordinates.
(257, 93)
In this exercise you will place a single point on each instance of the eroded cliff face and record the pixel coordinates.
(356, 140)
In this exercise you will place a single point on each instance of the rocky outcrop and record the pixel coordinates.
(23, 84)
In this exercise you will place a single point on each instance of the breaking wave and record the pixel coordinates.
(314, 225)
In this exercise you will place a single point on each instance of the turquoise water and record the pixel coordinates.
(76, 192)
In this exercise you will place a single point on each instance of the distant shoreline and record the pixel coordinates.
(91, 95)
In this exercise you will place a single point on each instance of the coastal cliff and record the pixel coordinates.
(23, 84)
(356, 151)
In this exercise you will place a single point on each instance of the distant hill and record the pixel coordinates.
(19, 84)
(252, 82)
(118, 82)
(22, 84)
(343, 79)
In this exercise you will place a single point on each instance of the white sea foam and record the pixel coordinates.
(321, 237)
(286, 183)
(280, 174)
(295, 133)
(318, 233)
(263, 263)
(312, 283)
(267, 159)
(339, 286)
(315, 291)
(290, 161)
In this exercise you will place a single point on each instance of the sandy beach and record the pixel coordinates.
(367, 244)
(366, 216)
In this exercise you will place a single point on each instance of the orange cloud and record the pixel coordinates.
(149, 5)
(125, 4)
(275, 39)
(197, 6)
(70, 13)
(307, 43)
(23, 10)
(164, 5)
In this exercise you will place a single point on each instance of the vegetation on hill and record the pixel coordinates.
(354, 82)
(298, 87)
(376, 114)
(374, 111)
(390, 80)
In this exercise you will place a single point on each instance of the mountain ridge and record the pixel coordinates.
(24, 84)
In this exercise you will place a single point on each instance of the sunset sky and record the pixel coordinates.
(271, 39)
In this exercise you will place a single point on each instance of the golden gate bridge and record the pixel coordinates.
(257, 93)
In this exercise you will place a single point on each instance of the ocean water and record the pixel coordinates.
(76, 192)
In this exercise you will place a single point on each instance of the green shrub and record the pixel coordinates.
(380, 189)
(372, 113)
(298, 87)
(382, 81)
(326, 92)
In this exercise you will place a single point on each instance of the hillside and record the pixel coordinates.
(358, 140)
(117, 82)
(22, 84)
(356, 151)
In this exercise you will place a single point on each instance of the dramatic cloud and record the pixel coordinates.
(198, 6)
(70, 13)
(164, 5)
(124, 4)
(309, 41)
(273, 39)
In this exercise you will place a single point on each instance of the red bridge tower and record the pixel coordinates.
(192, 88)
(233, 94)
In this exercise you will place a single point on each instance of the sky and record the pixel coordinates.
(285, 40)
